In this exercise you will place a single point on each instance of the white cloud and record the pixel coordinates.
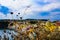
(51, 6)
(2, 16)
(20, 6)
(15, 4)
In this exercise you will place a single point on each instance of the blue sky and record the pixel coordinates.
(34, 9)
(4, 10)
